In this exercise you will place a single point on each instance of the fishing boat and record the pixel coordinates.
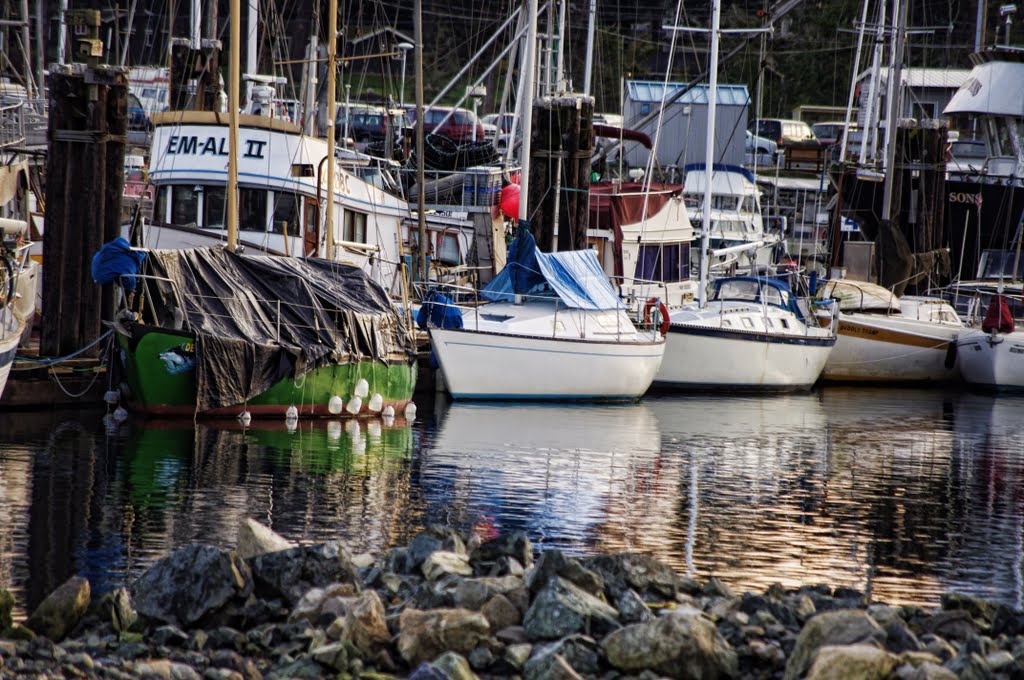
(553, 329)
(18, 278)
(751, 333)
(213, 333)
(885, 338)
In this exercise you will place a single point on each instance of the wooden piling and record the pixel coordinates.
(561, 147)
(85, 182)
(195, 76)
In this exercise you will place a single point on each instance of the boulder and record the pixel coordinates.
(61, 610)
(441, 563)
(190, 583)
(454, 666)
(549, 667)
(563, 608)
(365, 623)
(975, 606)
(579, 653)
(256, 539)
(954, 624)
(852, 662)
(680, 644)
(317, 600)
(554, 563)
(122, 614)
(290, 574)
(516, 545)
(474, 593)
(425, 635)
(500, 613)
(643, 573)
(835, 628)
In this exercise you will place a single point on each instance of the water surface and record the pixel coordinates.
(903, 493)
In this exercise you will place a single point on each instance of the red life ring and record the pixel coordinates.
(662, 312)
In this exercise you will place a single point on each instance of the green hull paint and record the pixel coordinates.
(167, 386)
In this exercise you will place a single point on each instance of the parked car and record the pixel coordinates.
(761, 146)
(459, 127)
(504, 122)
(830, 132)
(368, 123)
(782, 131)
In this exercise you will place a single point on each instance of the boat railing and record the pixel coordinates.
(12, 125)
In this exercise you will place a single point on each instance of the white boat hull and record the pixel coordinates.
(483, 365)
(993, 361)
(709, 357)
(9, 340)
(892, 349)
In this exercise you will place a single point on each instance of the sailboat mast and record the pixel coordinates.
(896, 89)
(233, 78)
(332, 69)
(529, 69)
(709, 155)
(588, 67)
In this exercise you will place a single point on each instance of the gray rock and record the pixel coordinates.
(365, 623)
(578, 651)
(333, 655)
(441, 563)
(549, 667)
(481, 658)
(842, 627)
(298, 669)
(852, 662)
(227, 659)
(61, 610)
(317, 600)
(190, 583)
(454, 666)
(955, 624)
(256, 539)
(515, 544)
(562, 608)
(924, 671)
(500, 613)
(292, 573)
(425, 635)
(427, 671)
(643, 573)
(632, 608)
(899, 638)
(474, 593)
(680, 644)
(422, 546)
(715, 588)
(169, 636)
(554, 563)
(122, 615)
(518, 654)
(975, 606)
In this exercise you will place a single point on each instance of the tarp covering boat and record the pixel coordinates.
(574, 276)
(612, 206)
(259, 319)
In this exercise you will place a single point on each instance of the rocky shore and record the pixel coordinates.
(453, 607)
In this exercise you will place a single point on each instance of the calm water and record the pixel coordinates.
(905, 493)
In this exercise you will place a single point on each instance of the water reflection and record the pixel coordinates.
(904, 493)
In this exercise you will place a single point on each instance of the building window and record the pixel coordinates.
(286, 209)
(355, 227)
(448, 249)
(184, 205)
(214, 207)
(252, 210)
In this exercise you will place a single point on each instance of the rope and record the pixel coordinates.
(50, 362)
(892, 357)
(63, 389)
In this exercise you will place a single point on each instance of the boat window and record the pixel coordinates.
(748, 322)
(214, 207)
(355, 227)
(785, 323)
(999, 135)
(724, 202)
(668, 262)
(749, 204)
(160, 206)
(286, 209)
(448, 249)
(184, 205)
(252, 209)
(497, 318)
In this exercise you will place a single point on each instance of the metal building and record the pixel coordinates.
(684, 122)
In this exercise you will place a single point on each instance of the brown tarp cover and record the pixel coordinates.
(613, 205)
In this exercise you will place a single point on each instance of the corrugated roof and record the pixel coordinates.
(652, 90)
(947, 78)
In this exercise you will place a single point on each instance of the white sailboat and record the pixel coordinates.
(751, 333)
(18, 278)
(554, 328)
(884, 338)
(993, 356)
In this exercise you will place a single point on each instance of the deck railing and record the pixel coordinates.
(12, 125)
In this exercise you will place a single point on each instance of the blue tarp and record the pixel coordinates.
(438, 311)
(117, 259)
(575, 276)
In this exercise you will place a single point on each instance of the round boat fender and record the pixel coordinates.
(662, 314)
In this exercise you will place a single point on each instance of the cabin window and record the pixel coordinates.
(286, 209)
(448, 249)
(160, 206)
(184, 205)
(355, 227)
(214, 207)
(748, 322)
(252, 209)
(785, 323)
(663, 262)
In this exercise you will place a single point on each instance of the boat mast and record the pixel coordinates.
(421, 214)
(233, 78)
(871, 111)
(896, 89)
(332, 65)
(588, 67)
(709, 155)
(529, 67)
(250, 48)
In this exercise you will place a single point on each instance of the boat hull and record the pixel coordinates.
(486, 366)
(717, 358)
(891, 349)
(167, 385)
(8, 348)
(992, 361)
